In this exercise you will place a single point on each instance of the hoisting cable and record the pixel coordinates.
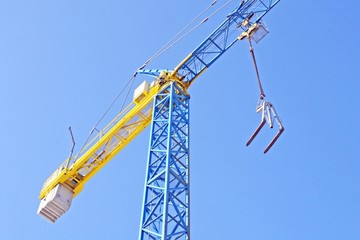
(131, 82)
(178, 38)
(165, 47)
(262, 94)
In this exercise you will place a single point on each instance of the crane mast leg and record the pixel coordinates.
(166, 206)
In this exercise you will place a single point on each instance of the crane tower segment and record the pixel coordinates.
(165, 209)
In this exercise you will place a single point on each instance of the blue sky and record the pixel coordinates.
(63, 62)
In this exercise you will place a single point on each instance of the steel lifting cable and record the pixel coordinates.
(262, 94)
(177, 38)
(131, 82)
(165, 47)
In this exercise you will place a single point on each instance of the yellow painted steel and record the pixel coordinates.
(180, 64)
(174, 74)
(103, 147)
(248, 33)
(198, 75)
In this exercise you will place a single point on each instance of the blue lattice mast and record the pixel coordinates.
(165, 211)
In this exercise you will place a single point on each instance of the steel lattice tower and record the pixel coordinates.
(165, 210)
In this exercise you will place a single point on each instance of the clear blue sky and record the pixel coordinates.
(63, 62)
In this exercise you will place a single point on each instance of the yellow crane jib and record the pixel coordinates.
(66, 182)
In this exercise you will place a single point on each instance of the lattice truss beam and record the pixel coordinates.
(165, 213)
(74, 173)
(219, 41)
(224, 37)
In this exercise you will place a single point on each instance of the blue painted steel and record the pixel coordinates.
(221, 39)
(165, 210)
(151, 72)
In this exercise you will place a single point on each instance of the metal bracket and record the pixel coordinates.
(268, 114)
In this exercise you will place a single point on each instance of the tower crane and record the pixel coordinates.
(163, 104)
